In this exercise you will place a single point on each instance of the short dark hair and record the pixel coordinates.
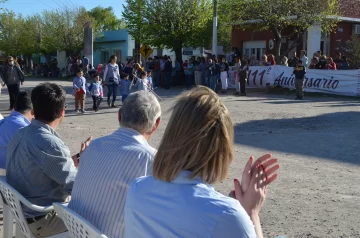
(23, 102)
(299, 61)
(142, 73)
(48, 101)
(123, 75)
(79, 70)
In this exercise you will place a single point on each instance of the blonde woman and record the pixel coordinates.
(195, 152)
(264, 61)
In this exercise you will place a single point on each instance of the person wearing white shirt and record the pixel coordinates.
(112, 162)
(304, 59)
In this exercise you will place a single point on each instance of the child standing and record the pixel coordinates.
(125, 86)
(299, 72)
(79, 90)
(142, 83)
(97, 93)
(149, 78)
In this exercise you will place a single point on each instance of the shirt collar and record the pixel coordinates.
(38, 123)
(184, 178)
(132, 134)
(18, 114)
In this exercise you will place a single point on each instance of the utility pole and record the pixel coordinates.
(214, 40)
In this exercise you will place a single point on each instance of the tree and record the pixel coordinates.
(105, 19)
(279, 15)
(11, 28)
(169, 23)
(63, 30)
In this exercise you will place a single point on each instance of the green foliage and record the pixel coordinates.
(105, 19)
(11, 28)
(276, 15)
(169, 23)
(63, 30)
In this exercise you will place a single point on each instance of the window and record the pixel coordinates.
(118, 54)
(105, 56)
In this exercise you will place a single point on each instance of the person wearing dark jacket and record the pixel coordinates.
(299, 72)
(215, 75)
(168, 72)
(12, 77)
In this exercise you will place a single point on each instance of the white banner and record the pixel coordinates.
(341, 82)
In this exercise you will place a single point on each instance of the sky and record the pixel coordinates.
(28, 7)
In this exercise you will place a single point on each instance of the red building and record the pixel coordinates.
(252, 42)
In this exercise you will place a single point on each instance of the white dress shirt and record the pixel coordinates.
(107, 167)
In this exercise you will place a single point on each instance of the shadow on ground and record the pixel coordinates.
(333, 136)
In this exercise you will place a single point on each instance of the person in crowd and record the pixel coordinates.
(137, 69)
(111, 79)
(142, 83)
(177, 72)
(168, 72)
(79, 91)
(224, 69)
(330, 64)
(206, 72)
(338, 60)
(198, 71)
(299, 72)
(264, 61)
(85, 65)
(38, 163)
(20, 117)
(304, 59)
(215, 75)
(284, 61)
(271, 60)
(345, 63)
(12, 77)
(314, 63)
(162, 68)
(318, 54)
(243, 77)
(189, 73)
(236, 68)
(125, 86)
(156, 72)
(96, 92)
(129, 68)
(112, 162)
(149, 79)
(294, 60)
(254, 61)
(322, 62)
(196, 151)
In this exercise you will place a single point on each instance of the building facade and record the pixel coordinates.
(118, 43)
(252, 42)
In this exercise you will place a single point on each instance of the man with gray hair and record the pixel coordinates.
(112, 162)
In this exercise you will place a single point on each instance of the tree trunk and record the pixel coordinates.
(29, 62)
(277, 36)
(178, 53)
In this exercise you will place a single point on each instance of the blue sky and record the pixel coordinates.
(27, 7)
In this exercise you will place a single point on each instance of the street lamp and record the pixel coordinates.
(214, 40)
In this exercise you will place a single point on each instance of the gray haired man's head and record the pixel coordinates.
(140, 111)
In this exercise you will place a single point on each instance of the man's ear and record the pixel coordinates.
(157, 123)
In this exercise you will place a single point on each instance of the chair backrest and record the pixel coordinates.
(77, 226)
(12, 199)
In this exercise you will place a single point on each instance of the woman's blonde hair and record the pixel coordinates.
(199, 138)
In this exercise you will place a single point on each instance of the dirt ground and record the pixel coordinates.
(317, 142)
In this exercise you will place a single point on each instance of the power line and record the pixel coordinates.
(45, 4)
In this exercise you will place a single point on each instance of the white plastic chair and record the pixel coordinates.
(14, 200)
(77, 226)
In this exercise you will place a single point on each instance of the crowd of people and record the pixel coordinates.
(121, 184)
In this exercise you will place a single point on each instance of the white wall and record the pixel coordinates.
(61, 59)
